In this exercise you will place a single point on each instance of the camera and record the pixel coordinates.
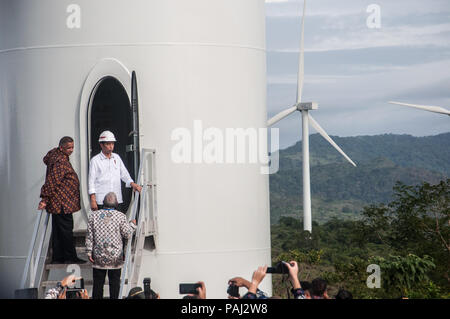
(148, 292)
(189, 289)
(233, 290)
(280, 268)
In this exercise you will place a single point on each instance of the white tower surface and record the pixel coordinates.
(195, 60)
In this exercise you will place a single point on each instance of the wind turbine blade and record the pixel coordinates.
(435, 109)
(281, 116)
(301, 59)
(322, 132)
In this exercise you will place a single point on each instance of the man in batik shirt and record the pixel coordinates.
(107, 230)
(61, 198)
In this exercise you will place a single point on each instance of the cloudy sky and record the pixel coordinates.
(352, 70)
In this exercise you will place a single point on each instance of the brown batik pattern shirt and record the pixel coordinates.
(61, 190)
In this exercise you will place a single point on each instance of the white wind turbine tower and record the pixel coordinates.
(306, 120)
(434, 109)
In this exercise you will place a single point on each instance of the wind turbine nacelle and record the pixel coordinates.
(305, 106)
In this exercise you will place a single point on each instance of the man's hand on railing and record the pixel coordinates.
(93, 202)
(134, 221)
(42, 205)
(136, 187)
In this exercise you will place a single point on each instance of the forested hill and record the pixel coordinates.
(340, 190)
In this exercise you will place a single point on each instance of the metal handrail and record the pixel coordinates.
(141, 220)
(30, 250)
(38, 255)
(29, 260)
(133, 216)
(129, 264)
(128, 249)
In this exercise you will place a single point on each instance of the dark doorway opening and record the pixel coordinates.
(110, 110)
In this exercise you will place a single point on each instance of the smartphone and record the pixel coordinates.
(189, 289)
(75, 292)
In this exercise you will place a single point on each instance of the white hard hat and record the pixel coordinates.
(107, 136)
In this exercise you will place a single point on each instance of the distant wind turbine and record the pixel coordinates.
(306, 120)
(434, 109)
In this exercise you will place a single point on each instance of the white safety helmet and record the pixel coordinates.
(107, 136)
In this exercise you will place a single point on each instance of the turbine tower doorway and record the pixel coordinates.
(110, 110)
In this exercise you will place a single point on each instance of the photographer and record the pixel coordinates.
(60, 291)
(253, 291)
(319, 289)
(318, 285)
(296, 290)
(136, 293)
(343, 294)
(241, 282)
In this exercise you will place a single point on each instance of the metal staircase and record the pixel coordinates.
(41, 274)
(34, 265)
(59, 271)
(146, 221)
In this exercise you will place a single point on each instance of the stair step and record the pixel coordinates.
(80, 233)
(87, 282)
(86, 265)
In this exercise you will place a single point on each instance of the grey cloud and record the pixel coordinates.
(352, 71)
(357, 105)
(333, 8)
(353, 62)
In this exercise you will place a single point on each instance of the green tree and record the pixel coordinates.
(402, 276)
(415, 222)
(408, 238)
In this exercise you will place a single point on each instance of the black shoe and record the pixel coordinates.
(57, 262)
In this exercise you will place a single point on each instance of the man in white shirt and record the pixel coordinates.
(106, 170)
